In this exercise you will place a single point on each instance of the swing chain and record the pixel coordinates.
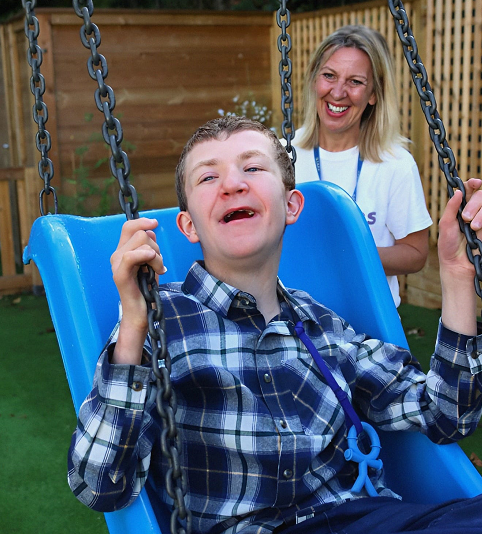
(446, 156)
(283, 19)
(43, 140)
(111, 129)
(176, 481)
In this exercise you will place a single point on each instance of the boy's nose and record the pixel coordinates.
(234, 182)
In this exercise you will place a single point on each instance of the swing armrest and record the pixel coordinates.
(139, 515)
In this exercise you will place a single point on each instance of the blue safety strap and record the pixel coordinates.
(316, 153)
(354, 425)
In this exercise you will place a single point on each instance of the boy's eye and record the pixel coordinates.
(252, 169)
(207, 178)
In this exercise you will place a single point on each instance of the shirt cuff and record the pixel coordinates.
(459, 350)
(122, 385)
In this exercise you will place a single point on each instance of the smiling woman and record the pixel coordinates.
(351, 137)
(344, 89)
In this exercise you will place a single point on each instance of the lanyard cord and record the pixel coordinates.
(316, 153)
(354, 425)
(350, 415)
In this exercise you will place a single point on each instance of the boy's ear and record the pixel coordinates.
(186, 226)
(295, 202)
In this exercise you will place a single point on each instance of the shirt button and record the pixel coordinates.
(283, 423)
(137, 386)
(287, 473)
(267, 378)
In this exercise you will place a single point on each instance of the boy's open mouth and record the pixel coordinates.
(236, 215)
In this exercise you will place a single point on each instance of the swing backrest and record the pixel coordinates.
(329, 252)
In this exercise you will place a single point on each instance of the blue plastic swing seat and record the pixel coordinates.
(329, 252)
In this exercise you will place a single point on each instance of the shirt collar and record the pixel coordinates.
(219, 296)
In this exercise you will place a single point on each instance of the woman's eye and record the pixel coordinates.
(357, 82)
(328, 76)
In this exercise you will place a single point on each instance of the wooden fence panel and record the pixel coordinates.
(456, 42)
(172, 71)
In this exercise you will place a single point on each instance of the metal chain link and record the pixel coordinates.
(283, 19)
(176, 480)
(43, 140)
(437, 131)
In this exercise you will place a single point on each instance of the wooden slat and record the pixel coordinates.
(12, 174)
(465, 91)
(12, 90)
(6, 233)
(118, 17)
(476, 103)
(15, 283)
(31, 213)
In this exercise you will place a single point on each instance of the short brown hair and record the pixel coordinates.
(226, 126)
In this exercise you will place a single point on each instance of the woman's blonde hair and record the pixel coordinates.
(380, 123)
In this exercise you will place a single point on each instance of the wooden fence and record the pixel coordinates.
(173, 71)
(16, 216)
(170, 73)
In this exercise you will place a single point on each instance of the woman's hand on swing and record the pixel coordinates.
(456, 272)
(137, 247)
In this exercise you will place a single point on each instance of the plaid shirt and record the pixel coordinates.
(262, 434)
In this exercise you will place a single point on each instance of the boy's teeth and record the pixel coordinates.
(337, 109)
(229, 216)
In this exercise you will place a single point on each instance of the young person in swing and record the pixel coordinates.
(263, 435)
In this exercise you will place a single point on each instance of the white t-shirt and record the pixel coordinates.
(389, 193)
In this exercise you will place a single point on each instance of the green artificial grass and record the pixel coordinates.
(37, 419)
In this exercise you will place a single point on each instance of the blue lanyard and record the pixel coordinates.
(354, 425)
(316, 153)
(350, 414)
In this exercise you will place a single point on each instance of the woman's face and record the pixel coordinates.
(344, 88)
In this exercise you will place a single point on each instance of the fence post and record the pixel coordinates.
(7, 254)
(27, 218)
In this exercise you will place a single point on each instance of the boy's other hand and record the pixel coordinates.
(456, 271)
(452, 243)
(137, 247)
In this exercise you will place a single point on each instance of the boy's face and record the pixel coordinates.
(238, 206)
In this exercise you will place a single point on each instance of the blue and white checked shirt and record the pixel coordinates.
(263, 436)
